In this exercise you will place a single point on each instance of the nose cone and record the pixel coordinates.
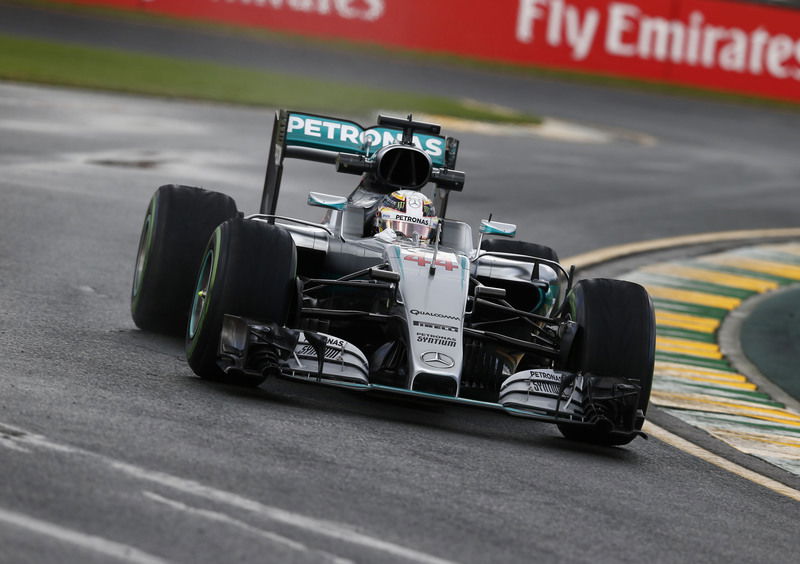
(434, 308)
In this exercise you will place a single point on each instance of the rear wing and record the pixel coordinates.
(300, 135)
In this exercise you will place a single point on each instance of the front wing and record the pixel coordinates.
(249, 347)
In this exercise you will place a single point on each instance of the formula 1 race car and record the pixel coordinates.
(387, 294)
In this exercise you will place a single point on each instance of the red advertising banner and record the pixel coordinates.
(724, 45)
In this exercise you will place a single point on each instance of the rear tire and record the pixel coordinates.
(519, 248)
(176, 227)
(248, 269)
(616, 337)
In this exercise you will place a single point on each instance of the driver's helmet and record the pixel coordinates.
(407, 213)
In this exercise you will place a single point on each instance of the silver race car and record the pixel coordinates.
(387, 294)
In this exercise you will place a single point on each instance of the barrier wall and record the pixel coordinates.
(724, 45)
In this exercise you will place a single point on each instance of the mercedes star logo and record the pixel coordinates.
(438, 360)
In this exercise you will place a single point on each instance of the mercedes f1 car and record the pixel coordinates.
(386, 293)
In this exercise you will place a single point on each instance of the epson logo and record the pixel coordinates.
(431, 314)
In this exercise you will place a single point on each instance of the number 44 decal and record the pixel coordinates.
(422, 260)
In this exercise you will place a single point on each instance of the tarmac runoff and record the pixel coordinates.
(695, 380)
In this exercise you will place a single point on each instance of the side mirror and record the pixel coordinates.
(498, 228)
(490, 292)
(320, 200)
(384, 275)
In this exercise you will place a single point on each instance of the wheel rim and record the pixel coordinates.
(200, 299)
(141, 254)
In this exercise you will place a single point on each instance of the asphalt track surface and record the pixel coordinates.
(111, 450)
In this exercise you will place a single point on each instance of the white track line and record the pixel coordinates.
(93, 543)
(315, 526)
(330, 529)
(228, 520)
(725, 464)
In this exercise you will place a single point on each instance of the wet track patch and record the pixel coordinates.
(552, 129)
(130, 163)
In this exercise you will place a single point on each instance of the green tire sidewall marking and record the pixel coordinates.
(572, 300)
(217, 235)
(147, 235)
(203, 277)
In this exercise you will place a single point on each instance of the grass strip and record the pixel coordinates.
(678, 333)
(678, 358)
(67, 64)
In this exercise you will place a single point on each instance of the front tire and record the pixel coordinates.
(247, 269)
(177, 224)
(616, 338)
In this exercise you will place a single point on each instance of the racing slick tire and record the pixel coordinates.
(177, 224)
(248, 269)
(616, 338)
(519, 248)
